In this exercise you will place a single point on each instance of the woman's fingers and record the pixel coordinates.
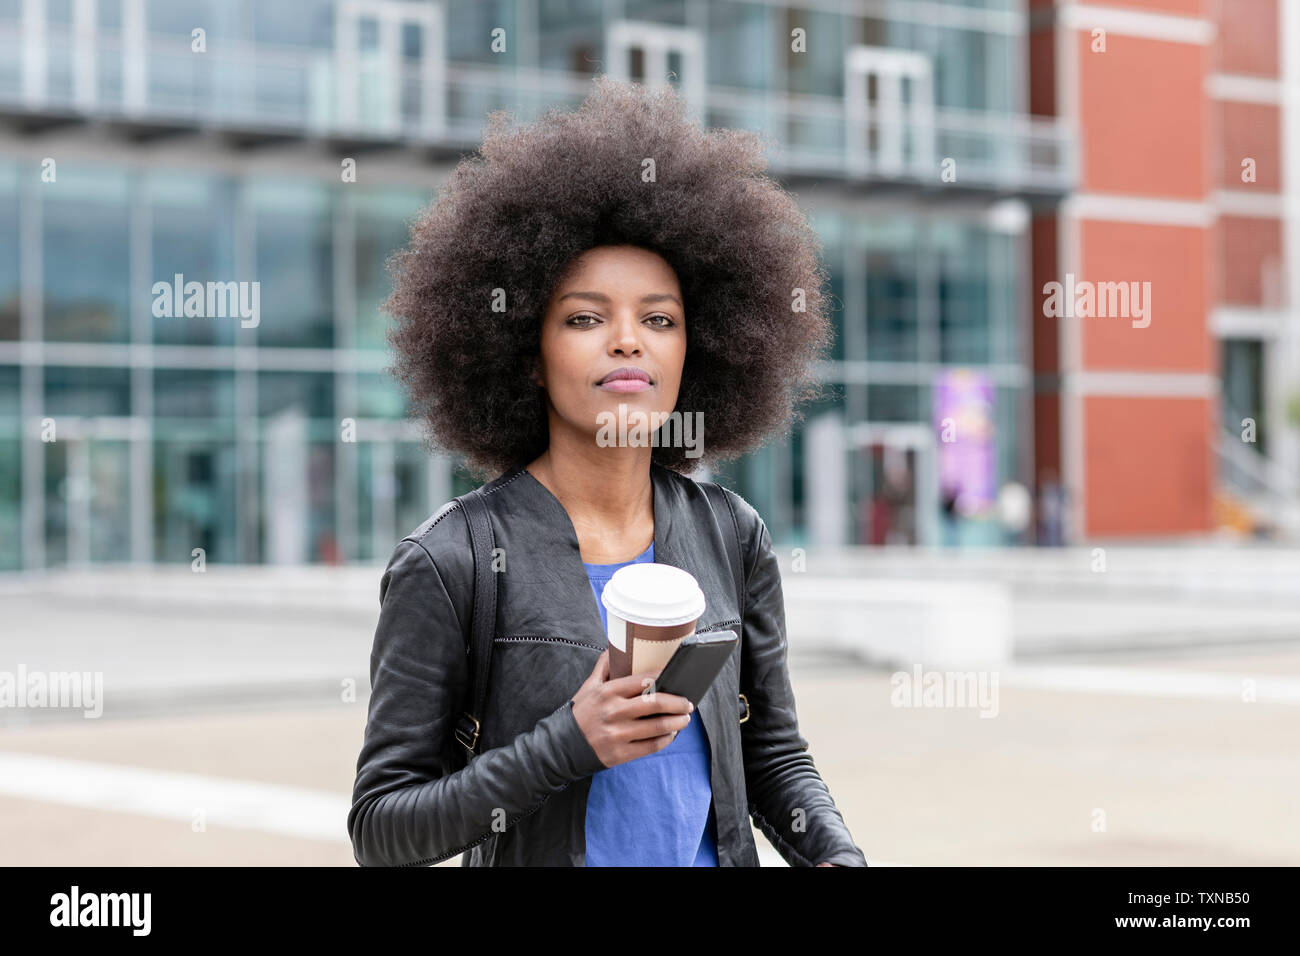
(600, 673)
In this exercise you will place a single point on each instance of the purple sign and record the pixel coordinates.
(963, 422)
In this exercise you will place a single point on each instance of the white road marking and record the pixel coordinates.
(268, 807)
(1152, 683)
(273, 808)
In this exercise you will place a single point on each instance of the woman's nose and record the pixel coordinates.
(625, 337)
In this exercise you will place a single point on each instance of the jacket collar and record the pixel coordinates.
(553, 561)
(553, 557)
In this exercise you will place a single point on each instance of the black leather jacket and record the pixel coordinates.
(522, 801)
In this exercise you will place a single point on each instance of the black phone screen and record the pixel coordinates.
(695, 663)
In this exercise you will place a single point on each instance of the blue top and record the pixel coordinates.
(656, 810)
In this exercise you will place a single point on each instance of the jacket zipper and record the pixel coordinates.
(549, 640)
(469, 846)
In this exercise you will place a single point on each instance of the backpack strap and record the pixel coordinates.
(731, 532)
(483, 621)
(735, 557)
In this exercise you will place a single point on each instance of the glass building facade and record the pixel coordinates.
(145, 140)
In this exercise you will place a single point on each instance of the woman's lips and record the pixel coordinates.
(625, 385)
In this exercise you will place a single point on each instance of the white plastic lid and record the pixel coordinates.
(659, 595)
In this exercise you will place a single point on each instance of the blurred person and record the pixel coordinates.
(1051, 510)
(560, 260)
(949, 516)
(1015, 508)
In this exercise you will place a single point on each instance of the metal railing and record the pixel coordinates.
(297, 91)
(1256, 478)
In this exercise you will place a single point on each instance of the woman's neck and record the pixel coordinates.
(607, 493)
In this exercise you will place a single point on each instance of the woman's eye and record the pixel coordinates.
(667, 321)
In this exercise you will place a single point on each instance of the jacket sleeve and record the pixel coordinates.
(407, 808)
(787, 797)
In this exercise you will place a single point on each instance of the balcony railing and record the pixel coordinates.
(297, 91)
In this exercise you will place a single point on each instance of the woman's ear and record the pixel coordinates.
(536, 375)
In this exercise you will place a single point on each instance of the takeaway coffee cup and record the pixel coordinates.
(650, 609)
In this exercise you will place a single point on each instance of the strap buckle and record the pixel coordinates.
(461, 731)
(746, 702)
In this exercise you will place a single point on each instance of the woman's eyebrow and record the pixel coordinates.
(601, 297)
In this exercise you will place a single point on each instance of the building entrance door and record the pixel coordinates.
(389, 67)
(889, 111)
(656, 54)
(900, 496)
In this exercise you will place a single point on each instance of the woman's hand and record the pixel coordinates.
(619, 721)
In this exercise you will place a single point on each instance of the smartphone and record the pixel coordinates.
(694, 665)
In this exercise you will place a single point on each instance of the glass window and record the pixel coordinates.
(378, 396)
(890, 267)
(10, 470)
(1006, 323)
(310, 392)
(302, 23)
(819, 70)
(87, 501)
(108, 69)
(832, 400)
(86, 257)
(961, 258)
(192, 226)
(838, 316)
(178, 78)
(739, 49)
(1242, 361)
(179, 17)
(671, 12)
(58, 50)
(86, 391)
(109, 507)
(295, 269)
(960, 61)
(469, 32)
(189, 394)
(10, 399)
(754, 474)
(572, 35)
(898, 403)
(830, 229)
(999, 95)
(884, 32)
(411, 485)
(10, 324)
(296, 481)
(368, 549)
(195, 504)
(1007, 428)
(58, 492)
(109, 13)
(11, 45)
(381, 229)
(194, 465)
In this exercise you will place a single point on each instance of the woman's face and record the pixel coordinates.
(620, 307)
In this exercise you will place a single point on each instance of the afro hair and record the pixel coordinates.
(511, 219)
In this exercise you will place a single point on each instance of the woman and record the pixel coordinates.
(614, 261)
